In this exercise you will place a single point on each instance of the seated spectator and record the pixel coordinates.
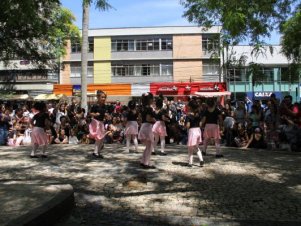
(229, 122)
(242, 138)
(73, 138)
(257, 140)
(61, 138)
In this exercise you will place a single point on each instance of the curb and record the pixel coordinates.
(49, 212)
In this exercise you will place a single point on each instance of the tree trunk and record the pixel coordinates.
(84, 56)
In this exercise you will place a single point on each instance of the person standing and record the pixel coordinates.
(131, 128)
(40, 123)
(159, 128)
(96, 127)
(213, 122)
(194, 132)
(146, 135)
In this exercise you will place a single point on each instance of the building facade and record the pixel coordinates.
(22, 77)
(141, 56)
(277, 76)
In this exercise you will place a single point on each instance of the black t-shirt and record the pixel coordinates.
(194, 120)
(131, 116)
(212, 117)
(101, 109)
(146, 111)
(39, 119)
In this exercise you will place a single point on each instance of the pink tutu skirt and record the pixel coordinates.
(194, 137)
(131, 128)
(39, 136)
(96, 130)
(146, 132)
(212, 131)
(160, 128)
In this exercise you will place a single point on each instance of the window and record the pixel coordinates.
(141, 45)
(166, 69)
(141, 70)
(76, 70)
(210, 44)
(237, 74)
(269, 74)
(166, 44)
(76, 46)
(211, 69)
(122, 45)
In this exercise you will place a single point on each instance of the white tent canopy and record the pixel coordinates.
(213, 94)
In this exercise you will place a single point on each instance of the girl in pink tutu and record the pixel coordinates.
(193, 123)
(131, 128)
(40, 123)
(213, 122)
(146, 135)
(96, 127)
(159, 128)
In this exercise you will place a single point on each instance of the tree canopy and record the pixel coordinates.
(240, 20)
(34, 30)
(291, 39)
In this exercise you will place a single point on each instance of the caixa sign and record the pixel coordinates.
(262, 94)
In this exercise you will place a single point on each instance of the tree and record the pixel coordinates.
(34, 30)
(101, 5)
(240, 20)
(291, 41)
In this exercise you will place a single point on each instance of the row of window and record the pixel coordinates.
(270, 75)
(142, 70)
(157, 44)
(141, 45)
(27, 75)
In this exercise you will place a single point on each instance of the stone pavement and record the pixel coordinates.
(244, 188)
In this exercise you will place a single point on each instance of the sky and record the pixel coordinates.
(138, 13)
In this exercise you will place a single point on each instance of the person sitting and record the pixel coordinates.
(73, 138)
(242, 138)
(257, 140)
(62, 138)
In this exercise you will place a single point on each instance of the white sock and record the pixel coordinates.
(135, 142)
(162, 144)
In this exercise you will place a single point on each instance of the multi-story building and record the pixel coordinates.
(21, 76)
(130, 60)
(277, 76)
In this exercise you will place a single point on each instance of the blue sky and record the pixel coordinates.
(137, 13)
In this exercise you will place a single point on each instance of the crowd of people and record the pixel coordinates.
(196, 123)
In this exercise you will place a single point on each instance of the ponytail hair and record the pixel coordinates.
(193, 104)
(146, 97)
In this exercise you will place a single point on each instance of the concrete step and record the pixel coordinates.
(34, 205)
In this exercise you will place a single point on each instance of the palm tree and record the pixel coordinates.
(101, 5)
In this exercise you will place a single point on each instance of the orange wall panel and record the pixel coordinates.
(111, 89)
(62, 89)
(187, 47)
(185, 70)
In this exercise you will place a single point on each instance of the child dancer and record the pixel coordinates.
(159, 128)
(96, 127)
(213, 122)
(194, 132)
(131, 129)
(40, 123)
(146, 135)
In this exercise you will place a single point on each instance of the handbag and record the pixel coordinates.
(27, 137)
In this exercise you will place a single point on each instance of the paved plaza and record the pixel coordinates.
(253, 187)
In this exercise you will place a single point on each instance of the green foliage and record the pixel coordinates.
(291, 73)
(240, 20)
(255, 71)
(291, 39)
(99, 4)
(34, 30)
